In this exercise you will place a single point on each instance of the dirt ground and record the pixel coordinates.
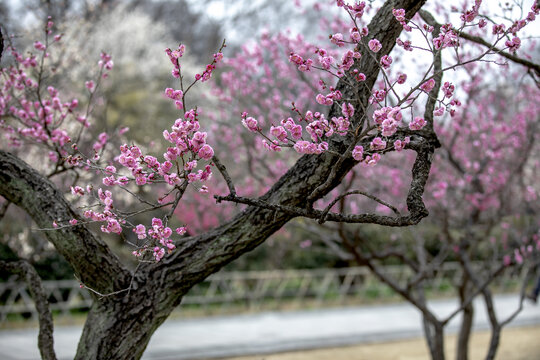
(516, 344)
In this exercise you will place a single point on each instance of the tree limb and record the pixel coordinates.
(89, 256)
(33, 281)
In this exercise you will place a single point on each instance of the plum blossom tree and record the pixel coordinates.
(484, 213)
(357, 113)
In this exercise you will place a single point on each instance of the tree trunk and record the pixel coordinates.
(434, 335)
(120, 329)
(464, 335)
(462, 351)
(494, 342)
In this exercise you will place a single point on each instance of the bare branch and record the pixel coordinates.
(45, 336)
(223, 170)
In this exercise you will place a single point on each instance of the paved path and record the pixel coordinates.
(272, 332)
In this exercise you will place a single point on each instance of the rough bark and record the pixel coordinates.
(120, 326)
(93, 262)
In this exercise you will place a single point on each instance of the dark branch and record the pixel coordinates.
(33, 281)
(26, 188)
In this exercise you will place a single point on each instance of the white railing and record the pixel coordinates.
(252, 290)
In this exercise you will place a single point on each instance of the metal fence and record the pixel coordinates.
(254, 290)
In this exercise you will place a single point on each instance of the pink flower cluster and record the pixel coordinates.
(446, 38)
(337, 39)
(428, 85)
(389, 119)
(328, 99)
(36, 120)
(513, 44)
(377, 144)
(347, 61)
(105, 64)
(207, 73)
(250, 123)
(399, 14)
(470, 15)
(358, 153)
(303, 65)
(400, 144)
(407, 45)
(325, 59)
(374, 45)
(114, 225)
(159, 236)
(177, 96)
(174, 56)
(417, 123)
(306, 147)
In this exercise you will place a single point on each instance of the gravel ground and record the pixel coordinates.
(516, 344)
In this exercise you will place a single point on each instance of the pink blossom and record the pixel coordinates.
(306, 147)
(89, 85)
(446, 38)
(428, 85)
(360, 77)
(386, 61)
(140, 230)
(337, 39)
(73, 221)
(158, 253)
(39, 46)
(518, 257)
(417, 123)
(77, 190)
(110, 169)
(402, 78)
(448, 89)
(113, 226)
(109, 181)
(355, 34)
(373, 159)
(407, 45)
(347, 110)
(399, 14)
(206, 152)
(218, 57)
(181, 230)
(324, 100)
(374, 45)
(498, 29)
(377, 144)
(272, 146)
(439, 111)
(513, 44)
(305, 244)
(389, 127)
(358, 153)
(296, 59)
(251, 124)
(279, 132)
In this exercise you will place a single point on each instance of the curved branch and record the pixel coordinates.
(88, 255)
(33, 281)
(478, 40)
(198, 257)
